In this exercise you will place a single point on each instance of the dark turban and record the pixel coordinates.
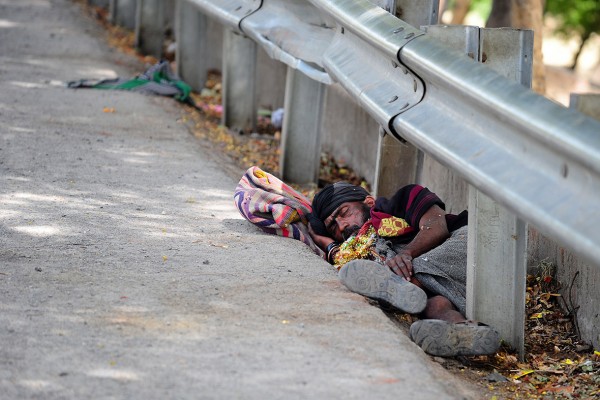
(329, 198)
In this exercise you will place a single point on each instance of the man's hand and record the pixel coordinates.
(321, 241)
(401, 265)
(432, 232)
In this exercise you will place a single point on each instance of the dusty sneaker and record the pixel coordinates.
(445, 339)
(377, 281)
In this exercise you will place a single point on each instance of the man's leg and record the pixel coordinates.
(444, 331)
(439, 307)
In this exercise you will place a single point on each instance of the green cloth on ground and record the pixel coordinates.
(158, 79)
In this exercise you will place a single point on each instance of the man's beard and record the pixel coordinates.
(353, 230)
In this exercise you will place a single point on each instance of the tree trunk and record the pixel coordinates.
(500, 14)
(584, 38)
(459, 11)
(442, 4)
(528, 14)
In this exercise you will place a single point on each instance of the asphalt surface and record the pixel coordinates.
(126, 272)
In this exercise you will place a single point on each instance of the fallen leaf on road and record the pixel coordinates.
(521, 374)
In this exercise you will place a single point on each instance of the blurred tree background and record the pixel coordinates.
(578, 19)
(575, 18)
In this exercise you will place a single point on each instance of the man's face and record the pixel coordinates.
(347, 220)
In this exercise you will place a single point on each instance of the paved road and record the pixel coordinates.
(127, 273)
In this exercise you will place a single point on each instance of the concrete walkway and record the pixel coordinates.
(127, 273)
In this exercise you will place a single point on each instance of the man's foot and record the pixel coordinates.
(377, 281)
(445, 339)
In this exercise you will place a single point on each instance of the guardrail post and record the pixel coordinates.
(387, 5)
(497, 248)
(299, 161)
(239, 77)
(123, 13)
(270, 81)
(586, 291)
(150, 26)
(191, 29)
(190, 33)
(396, 164)
(99, 3)
(399, 163)
(112, 6)
(588, 104)
(446, 183)
(418, 12)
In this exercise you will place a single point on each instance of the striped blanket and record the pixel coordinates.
(274, 206)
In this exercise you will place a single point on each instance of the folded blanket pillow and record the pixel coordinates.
(274, 206)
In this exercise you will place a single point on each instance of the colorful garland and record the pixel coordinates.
(359, 246)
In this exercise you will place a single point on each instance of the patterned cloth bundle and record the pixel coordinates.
(274, 206)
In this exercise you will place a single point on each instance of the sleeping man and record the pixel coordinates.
(408, 252)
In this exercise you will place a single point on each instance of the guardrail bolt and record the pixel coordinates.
(565, 170)
(398, 30)
(393, 99)
(409, 35)
(394, 64)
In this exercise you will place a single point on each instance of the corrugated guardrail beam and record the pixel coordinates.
(293, 32)
(228, 12)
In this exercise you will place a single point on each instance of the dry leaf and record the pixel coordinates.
(522, 374)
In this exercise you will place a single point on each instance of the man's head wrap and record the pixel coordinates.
(329, 199)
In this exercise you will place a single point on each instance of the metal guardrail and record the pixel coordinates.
(292, 32)
(228, 12)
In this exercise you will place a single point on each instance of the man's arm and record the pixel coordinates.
(433, 231)
(327, 244)
(321, 241)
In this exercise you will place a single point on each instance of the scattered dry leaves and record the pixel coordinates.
(557, 364)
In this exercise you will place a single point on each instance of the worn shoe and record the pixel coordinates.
(377, 281)
(445, 339)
